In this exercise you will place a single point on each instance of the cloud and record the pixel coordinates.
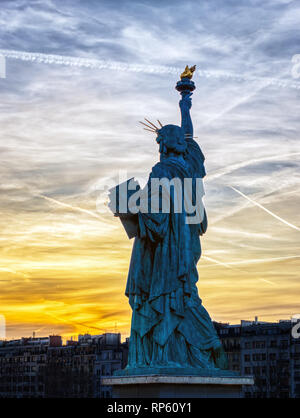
(64, 129)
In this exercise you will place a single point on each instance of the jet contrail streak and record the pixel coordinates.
(228, 265)
(66, 205)
(262, 260)
(217, 262)
(266, 210)
(251, 261)
(264, 196)
(90, 63)
(233, 167)
(268, 281)
(120, 66)
(236, 104)
(74, 322)
(7, 270)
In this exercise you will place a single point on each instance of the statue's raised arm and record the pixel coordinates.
(185, 105)
(194, 154)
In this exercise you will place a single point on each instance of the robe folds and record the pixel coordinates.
(170, 326)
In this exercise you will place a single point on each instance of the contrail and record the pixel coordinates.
(236, 104)
(268, 281)
(85, 62)
(265, 209)
(263, 260)
(228, 265)
(66, 205)
(7, 270)
(137, 68)
(264, 196)
(217, 262)
(75, 323)
(264, 83)
(251, 261)
(233, 167)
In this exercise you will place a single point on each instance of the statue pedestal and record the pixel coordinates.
(166, 386)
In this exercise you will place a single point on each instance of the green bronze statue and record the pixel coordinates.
(171, 331)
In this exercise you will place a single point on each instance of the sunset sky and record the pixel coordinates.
(67, 131)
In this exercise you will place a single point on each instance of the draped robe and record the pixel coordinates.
(170, 327)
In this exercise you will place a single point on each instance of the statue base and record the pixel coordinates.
(174, 386)
(175, 371)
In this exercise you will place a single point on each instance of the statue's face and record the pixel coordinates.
(172, 137)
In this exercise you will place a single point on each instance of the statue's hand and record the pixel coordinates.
(186, 102)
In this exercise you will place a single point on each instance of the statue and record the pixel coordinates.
(171, 331)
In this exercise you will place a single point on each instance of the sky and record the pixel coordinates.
(68, 130)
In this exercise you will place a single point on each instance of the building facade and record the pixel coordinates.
(44, 367)
(47, 368)
(267, 351)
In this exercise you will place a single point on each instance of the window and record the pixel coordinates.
(235, 356)
(256, 370)
(259, 344)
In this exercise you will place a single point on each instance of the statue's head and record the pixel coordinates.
(171, 139)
